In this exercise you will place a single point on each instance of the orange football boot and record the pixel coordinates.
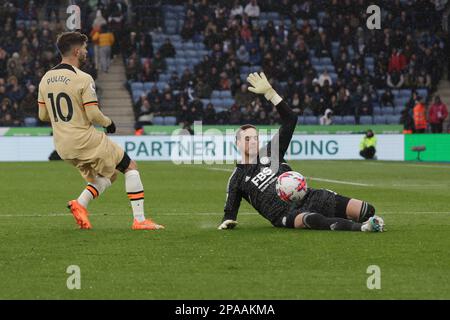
(147, 224)
(80, 214)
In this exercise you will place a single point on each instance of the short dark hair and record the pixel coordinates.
(242, 128)
(66, 40)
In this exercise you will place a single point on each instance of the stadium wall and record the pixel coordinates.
(211, 148)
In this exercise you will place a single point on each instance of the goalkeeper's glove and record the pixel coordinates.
(262, 86)
(111, 128)
(227, 224)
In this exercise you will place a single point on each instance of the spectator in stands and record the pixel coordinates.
(368, 146)
(437, 114)
(243, 97)
(324, 76)
(397, 61)
(52, 7)
(387, 98)
(168, 104)
(326, 119)
(132, 69)
(105, 41)
(420, 116)
(159, 63)
(28, 107)
(252, 10)
(99, 21)
(242, 56)
(167, 50)
(235, 114)
(395, 80)
(210, 114)
(202, 89)
(146, 113)
(148, 72)
(237, 10)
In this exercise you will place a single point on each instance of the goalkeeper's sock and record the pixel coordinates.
(135, 191)
(317, 221)
(367, 211)
(93, 190)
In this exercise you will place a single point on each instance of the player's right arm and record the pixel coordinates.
(90, 104)
(233, 202)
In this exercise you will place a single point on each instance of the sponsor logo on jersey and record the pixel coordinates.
(263, 179)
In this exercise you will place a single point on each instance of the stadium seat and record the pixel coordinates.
(365, 120)
(300, 120)
(158, 120)
(225, 94)
(170, 121)
(398, 109)
(388, 110)
(137, 86)
(377, 111)
(349, 119)
(379, 120)
(215, 94)
(338, 120)
(393, 119)
(310, 120)
(148, 86)
(423, 92)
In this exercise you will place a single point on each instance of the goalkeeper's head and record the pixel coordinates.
(73, 46)
(247, 140)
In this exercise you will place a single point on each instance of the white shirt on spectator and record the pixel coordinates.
(252, 10)
(324, 77)
(236, 11)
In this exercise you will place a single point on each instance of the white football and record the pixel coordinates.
(291, 186)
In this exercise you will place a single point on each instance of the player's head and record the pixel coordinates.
(73, 45)
(247, 140)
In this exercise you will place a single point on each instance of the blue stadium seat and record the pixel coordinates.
(365, 120)
(393, 119)
(181, 61)
(158, 120)
(137, 95)
(405, 93)
(137, 86)
(216, 101)
(311, 120)
(225, 94)
(398, 109)
(300, 120)
(377, 111)
(188, 46)
(205, 102)
(170, 121)
(349, 119)
(379, 119)
(228, 102)
(170, 61)
(148, 86)
(423, 92)
(338, 120)
(388, 110)
(215, 94)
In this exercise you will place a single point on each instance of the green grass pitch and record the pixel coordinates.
(193, 260)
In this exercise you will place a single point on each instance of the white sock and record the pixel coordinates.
(93, 190)
(135, 192)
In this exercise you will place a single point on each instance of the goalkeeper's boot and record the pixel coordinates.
(374, 224)
(80, 214)
(147, 224)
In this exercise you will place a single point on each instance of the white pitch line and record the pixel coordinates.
(53, 215)
(112, 215)
(313, 178)
(342, 182)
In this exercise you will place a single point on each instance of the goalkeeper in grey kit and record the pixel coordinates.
(254, 180)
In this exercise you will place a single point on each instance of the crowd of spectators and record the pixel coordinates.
(27, 51)
(408, 52)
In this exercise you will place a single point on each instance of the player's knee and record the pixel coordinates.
(133, 165)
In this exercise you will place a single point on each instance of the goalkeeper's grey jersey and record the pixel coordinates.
(256, 182)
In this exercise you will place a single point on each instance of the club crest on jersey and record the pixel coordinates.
(263, 179)
(264, 160)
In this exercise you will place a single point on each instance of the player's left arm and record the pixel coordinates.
(261, 85)
(90, 105)
(43, 112)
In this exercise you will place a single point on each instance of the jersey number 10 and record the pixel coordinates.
(56, 107)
